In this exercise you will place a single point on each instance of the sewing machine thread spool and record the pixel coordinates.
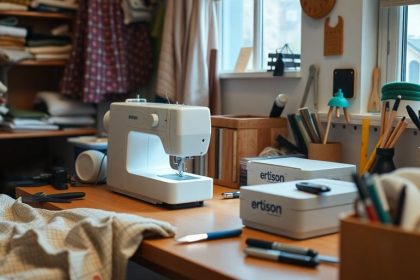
(91, 166)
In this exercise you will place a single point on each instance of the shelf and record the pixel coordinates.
(39, 15)
(42, 63)
(49, 133)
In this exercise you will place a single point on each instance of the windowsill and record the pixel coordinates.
(259, 75)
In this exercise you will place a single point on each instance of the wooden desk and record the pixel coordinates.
(217, 259)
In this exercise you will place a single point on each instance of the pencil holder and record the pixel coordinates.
(384, 161)
(327, 152)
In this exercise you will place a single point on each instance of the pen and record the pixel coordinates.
(282, 256)
(228, 195)
(400, 206)
(281, 247)
(364, 196)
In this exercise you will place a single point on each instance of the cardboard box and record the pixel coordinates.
(282, 209)
(293, 168)
(375, 251)
(236, 137)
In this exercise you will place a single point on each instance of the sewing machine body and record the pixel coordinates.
(141, 138)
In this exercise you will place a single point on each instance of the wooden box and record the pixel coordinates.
(234, 137)
(375, 251)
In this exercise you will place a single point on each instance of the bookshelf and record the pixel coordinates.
(30, 151)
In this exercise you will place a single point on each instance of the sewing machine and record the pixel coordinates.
(142, 136)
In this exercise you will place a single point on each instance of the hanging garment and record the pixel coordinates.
(108, 59)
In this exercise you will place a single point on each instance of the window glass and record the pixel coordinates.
(281, 25)
(412, 44)
(237, 30)
(277, 22)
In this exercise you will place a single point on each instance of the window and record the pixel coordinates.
(401, 43)
(413, 72)
(264, 25)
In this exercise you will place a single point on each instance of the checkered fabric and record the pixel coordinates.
(69, 244)
(109, 58)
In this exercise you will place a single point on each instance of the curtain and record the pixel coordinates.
(189, 35)
(390, 3)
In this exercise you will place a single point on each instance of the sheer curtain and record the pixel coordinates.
(189, 35)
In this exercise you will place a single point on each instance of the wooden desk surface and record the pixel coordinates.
(217, 259)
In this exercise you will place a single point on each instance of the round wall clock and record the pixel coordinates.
(317, 8)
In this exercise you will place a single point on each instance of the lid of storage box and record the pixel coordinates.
(89, 142)
(304, 164)
(289, 196)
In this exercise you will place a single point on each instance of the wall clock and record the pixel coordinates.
(317, 8)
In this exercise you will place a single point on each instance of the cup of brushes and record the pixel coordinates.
(330, 151)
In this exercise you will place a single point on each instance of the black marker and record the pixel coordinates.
(400, 206)
(281, 247)
(282, 257)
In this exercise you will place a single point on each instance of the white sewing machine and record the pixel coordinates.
(141, 136)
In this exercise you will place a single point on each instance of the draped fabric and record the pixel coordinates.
(189, 34)
(109, 59)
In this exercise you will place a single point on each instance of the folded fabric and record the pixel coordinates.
(20, 2)
(136, 11)
(27, 114)
(72, 120)
(59, 105)
(13, 31)
(49, 49)
(11, 56)
(55, 3)
(70, 244)
(51, 56)
(9, 126)
(13, 7)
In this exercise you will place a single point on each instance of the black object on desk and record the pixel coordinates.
(312, 188)
(57, 197)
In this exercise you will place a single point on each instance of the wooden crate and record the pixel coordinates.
(375, 251)
(236, 136)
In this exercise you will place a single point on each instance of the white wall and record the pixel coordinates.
(255, 96)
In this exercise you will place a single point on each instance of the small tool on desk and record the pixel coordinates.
(209, 236)
(228, 195)
(56, 197)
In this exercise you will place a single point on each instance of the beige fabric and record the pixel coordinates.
(70, 244)
(189, 33)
